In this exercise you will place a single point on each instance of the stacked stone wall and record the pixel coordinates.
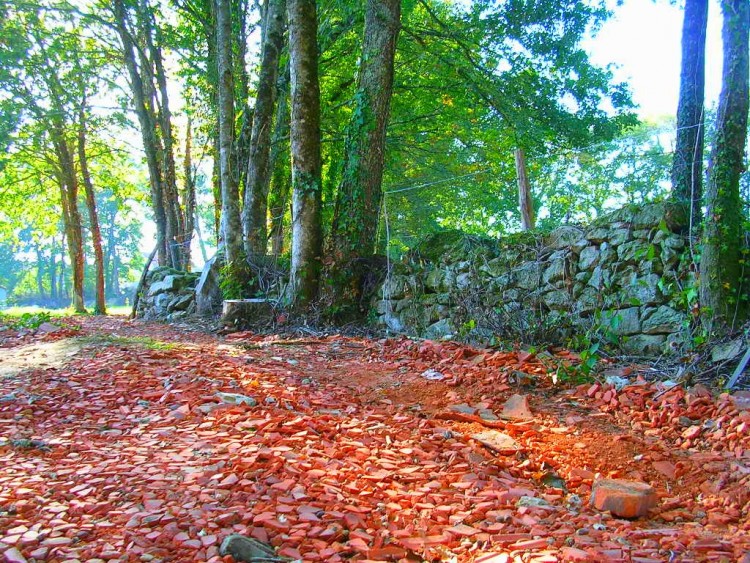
(622, 278)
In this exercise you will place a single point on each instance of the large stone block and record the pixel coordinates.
(645, 344)
(589, 258)
(208, 294)
(528, 275)
(662, 320)
(623, 498)
(564, 237)
(622, 322)
(558, 268)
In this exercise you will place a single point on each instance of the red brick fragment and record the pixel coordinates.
(623, 498)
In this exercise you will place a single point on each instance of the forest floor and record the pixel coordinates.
(121, 441)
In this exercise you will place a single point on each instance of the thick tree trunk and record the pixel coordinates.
(231, 226)
(148, 131)
(360, 192)
(722, 230)
(100, 307)
(525, 202)
(687, 163)
(305, 149)
(255, 212)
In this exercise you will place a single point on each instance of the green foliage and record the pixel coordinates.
(25, 321)
(236, 280)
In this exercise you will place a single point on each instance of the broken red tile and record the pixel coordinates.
(623, 498)
(12, 555)
(666, 468)
(462, 530)
(517, 407)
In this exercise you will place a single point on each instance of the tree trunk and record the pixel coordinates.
(255, 212)
(52, 273)
(360, 191)
(687, 163)
(148, 131)
(525, 202)
(188, 197)
(175, 235)
(281, 181)
(100, 307)
(68, 183)
(305, 149)
(720, 267)
(39, 270)
(231, 226)
(359, 195)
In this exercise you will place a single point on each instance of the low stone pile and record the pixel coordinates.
(168, 294)
(623, 278)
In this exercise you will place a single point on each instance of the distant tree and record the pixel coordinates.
(687, 164)
(722, 302)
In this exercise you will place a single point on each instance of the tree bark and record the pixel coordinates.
(305, 149)
(148, 131)
(359, 194)
(231, 226)
(525, 201)
(281, 181)
(720, 284)
(100, 306)
(175, 235)
(188, 196)
(687, 163)
(68, 182)
(255, 212)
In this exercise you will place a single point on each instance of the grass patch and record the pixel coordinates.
(137, 341)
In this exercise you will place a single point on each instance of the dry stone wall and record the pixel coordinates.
(167, 295)
(621, 279)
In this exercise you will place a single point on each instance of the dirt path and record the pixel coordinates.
(127, 453)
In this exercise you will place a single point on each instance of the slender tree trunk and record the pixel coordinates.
(231, 226)
(687, 163)
(305, 149)
(40, 271)
(722, 230)
(175, 236)
(52, 273)
(100, 307)
(188, 196)
(281, 181)
(148, 131)
(201, 243)
(68, 183)
(525, 202)
(255, 212)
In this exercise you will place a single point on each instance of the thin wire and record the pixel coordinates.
(428, 184)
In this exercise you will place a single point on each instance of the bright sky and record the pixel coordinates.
(643, 40)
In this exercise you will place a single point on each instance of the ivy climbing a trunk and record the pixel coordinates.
(722, 301)
(360, 191)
